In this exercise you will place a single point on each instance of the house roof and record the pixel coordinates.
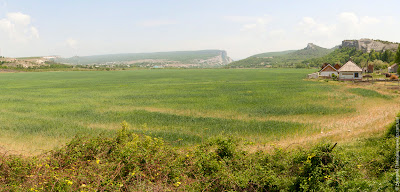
(328, 67)
(394, 65)
(350, 66)
(324, 65)
(337, 66)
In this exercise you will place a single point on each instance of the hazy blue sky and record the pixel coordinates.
(243, 28)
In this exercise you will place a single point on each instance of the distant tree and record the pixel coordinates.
(378, 64)
(397, 58)
(372, 55)
(398, 70)
(385, 56)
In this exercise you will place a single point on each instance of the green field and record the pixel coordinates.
(225, 129)
(46, 109)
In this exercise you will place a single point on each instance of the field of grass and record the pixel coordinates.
(40, 111)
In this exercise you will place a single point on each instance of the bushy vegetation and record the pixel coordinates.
(132, 162)
(342, 55)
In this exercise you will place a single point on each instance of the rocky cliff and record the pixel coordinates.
(366, 45)
(221, 59)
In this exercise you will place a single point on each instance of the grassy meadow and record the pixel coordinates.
(40, 111)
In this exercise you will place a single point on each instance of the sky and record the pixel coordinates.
(242, 28)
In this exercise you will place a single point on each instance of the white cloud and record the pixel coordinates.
(348, 17)
(19, 18)
(72, 43)
(347, 25)
(370, 20)
(18, 28)
(256, 25)
(156, 23)
(311, 27)
(34, 32)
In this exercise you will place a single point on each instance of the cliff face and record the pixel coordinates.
(366, 45)
(221, 59)
(224, 57)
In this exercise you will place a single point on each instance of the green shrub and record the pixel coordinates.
(392, 128)
(132, 162)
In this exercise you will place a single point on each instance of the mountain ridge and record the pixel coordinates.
(200, 58)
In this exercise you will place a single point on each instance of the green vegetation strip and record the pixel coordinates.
(131, 162)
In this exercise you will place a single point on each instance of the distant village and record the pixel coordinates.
(27, 62)
(352, 72)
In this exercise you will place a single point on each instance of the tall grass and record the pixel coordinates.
(63, 104)
(368, 93)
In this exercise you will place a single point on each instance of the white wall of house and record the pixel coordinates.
(312, 76)
(349, 75)
(328, 73)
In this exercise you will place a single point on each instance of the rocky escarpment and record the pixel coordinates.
(311, 46)
(366, 45)
(221, 59)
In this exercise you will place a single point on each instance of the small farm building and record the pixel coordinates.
(370, 69)
(337, 66)
(327, 71)
(312, 75)
(350, 71)
(393, 68)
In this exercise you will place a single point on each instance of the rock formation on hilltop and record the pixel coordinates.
(311, 46)
(366, 45)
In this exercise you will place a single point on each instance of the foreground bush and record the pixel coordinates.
(131, 162)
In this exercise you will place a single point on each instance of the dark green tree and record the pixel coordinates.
(372, 55)
(397, 58)
(385, 56)
(398, 70)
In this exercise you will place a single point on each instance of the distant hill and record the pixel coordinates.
(202, 58)
(273, 54)
(282, 59)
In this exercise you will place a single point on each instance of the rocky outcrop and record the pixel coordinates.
(221, 59)
(310, 46)
(225, 59)
(366, 45)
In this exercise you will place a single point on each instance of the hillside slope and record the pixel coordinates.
(273, 54)
(202, 58)
(281, 59)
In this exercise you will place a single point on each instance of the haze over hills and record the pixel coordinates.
(202, 58)
(283, 58)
